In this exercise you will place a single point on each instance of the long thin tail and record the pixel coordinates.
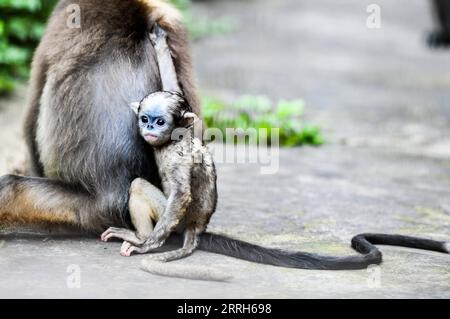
(363, 243)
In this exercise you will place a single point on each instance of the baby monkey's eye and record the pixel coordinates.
(160, 122)
(144, 119)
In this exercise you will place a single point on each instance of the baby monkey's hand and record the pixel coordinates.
(158, 36)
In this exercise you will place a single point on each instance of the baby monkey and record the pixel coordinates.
(186, 168)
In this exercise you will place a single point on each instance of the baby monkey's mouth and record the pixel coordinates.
(151, 137)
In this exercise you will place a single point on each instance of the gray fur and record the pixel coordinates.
(188, 184)
(191, 191)
(80, 131)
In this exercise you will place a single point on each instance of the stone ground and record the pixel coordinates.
(383, 100)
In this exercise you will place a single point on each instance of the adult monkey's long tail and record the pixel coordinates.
(363, 243)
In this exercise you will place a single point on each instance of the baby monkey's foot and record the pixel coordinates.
(126, 249)
(122, 233)
(158, 35)
(148, 246)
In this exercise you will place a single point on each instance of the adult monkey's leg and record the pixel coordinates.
(29, 200)
(42, 201)
(147, 204)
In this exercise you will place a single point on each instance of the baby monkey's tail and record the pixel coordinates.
(363, 243)
(156, 264)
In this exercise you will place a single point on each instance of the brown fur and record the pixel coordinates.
(38, 205)
(79, 130)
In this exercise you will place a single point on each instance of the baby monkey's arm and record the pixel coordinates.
(167, 72)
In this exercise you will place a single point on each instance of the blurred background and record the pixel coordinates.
(352, 72)
(353, 82)
(267, 63)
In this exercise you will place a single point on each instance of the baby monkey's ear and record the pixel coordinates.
(135, 107)
(188, 119)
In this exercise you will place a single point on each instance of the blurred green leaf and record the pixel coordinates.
(14, 55)
(286, 109)
(202, 27)
(256, 112)
(6, 82)
(28, 5)
(257, 103)
(24, 28)
(2, 28)
(22, 24)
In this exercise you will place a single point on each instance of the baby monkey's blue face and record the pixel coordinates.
(156, 117)
(155, 125)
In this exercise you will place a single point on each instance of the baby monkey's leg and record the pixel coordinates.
(171, 218)
(177, 204)
(146, 205)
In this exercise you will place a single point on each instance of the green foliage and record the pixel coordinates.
(182, 5)
(258, 112)
(21, 27)
(200, 27)
(22, 24)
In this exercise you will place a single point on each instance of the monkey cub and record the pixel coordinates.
(186, 168)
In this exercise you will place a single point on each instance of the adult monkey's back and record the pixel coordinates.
(83, 141)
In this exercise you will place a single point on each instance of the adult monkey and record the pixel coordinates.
(84, 144)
